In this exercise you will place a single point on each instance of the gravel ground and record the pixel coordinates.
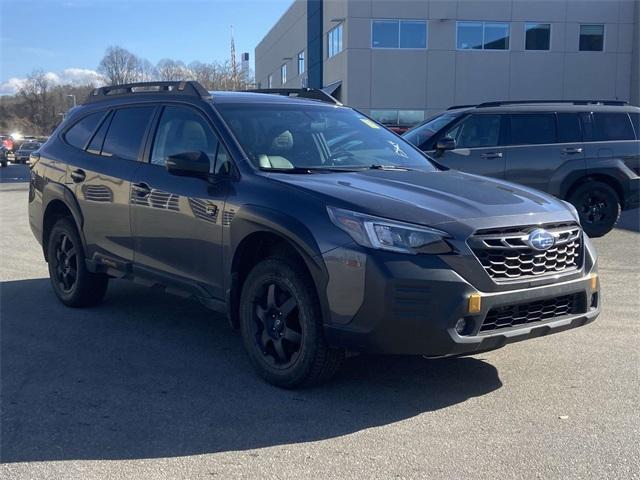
(152, 386)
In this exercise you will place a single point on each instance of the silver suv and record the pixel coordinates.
(586, 152)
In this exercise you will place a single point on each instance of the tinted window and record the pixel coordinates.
(591, 38)
(422, 133)
(126, 132)
(470, 35)
(533, 129)
(538, 36)
(413, 34)
(182, 130)
(613, 126)
(569, 128)
(79, 134)
(477, 131)
(635, 119)
(385, 34)
(95, 146)
(496, 36)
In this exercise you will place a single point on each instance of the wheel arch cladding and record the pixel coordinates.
(59, 201)
(257, 233)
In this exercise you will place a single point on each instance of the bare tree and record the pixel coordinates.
(39, 107)
(119, 66)
(172, 70)
(146, 71)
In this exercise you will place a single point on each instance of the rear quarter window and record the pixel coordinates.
(78, 135)
(612, 127)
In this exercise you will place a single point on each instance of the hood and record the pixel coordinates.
(433, 198)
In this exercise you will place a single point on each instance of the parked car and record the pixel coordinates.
(25, 150)
(4, 156)
(585, 152)
(316, 230)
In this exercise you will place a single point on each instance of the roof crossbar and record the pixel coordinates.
(541, 102)
(308, 93)
(185, 88)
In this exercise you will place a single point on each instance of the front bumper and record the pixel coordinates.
(410, 305)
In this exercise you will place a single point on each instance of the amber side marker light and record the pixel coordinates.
(594, 281)
(475, 303)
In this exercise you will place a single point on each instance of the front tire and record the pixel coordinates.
(72, 283)
(598, 206)
(282, 328)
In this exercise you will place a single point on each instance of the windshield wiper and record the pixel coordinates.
(389, 167)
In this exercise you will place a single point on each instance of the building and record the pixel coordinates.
(401, 60)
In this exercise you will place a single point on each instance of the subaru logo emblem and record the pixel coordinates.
(540, 239)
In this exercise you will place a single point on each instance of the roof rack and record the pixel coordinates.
(186, 88)
(537, 102)
(309, 93)
(455, 107)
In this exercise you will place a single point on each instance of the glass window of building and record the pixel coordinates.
(334, 41)
(537, 36)
(591, 38)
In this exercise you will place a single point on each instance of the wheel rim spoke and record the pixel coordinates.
(277, 344)
(292, 336)
(271, 296)
(288, 306)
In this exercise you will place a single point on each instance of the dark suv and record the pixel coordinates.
(586, 152)
(316, 230)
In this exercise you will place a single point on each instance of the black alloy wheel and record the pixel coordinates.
(278, 330)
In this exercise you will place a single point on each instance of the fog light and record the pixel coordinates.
(594, 281)
(475, 303)
(463, 326)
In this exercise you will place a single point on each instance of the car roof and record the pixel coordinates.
(547, 107)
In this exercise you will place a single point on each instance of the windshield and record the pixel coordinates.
(30, 146)
(299, 136)
(423, 133)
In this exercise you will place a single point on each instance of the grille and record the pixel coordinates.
(512, 315)
(506, 256)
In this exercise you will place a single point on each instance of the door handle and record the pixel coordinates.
(141, 189)
(78, 175)
(491, 155)
(571, 151)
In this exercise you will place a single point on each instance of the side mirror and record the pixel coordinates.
(446, 143)
(189, 164)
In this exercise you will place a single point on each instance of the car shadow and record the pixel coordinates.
(149, 375)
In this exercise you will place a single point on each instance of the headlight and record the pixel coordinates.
(383, 234)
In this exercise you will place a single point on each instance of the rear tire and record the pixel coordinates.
(598, 206)
(282, 328)
(72, 283)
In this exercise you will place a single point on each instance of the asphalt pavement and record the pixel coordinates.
(152, 386)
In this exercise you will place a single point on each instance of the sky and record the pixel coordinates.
(67, 38)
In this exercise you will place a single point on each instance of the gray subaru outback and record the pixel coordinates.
(316, 230)
(586, 152)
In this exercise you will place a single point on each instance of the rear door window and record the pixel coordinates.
(126, 132)
(533, 129)
(569, 130)
(612, 127)
(78, 135)
(477, 131)
(95, 146)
